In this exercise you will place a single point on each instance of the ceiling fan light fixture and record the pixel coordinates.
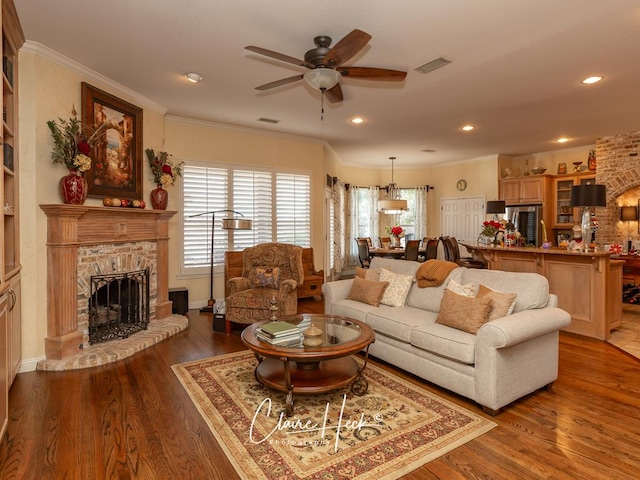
(322, 78)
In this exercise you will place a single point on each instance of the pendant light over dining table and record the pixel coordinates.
(392, 204)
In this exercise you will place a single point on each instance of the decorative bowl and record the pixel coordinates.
(538, 170)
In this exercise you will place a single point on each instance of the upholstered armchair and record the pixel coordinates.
(269, 270)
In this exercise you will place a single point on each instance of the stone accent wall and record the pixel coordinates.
(618, 162)
(113, 259)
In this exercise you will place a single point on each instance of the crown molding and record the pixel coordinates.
(255, 131)
(114, 88)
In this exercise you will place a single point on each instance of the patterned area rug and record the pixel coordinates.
(391, 430)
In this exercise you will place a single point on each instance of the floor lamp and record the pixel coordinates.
(588, 196)
(227, 224)
(629, 214)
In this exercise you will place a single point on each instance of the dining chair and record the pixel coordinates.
(411, 251)
(452, 254)
(363, 252)
(367, 239)
(384, 241)
(431, 248)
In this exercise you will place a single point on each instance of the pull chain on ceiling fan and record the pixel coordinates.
(326, 65)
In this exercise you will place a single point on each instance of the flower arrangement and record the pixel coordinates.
(72, 142)
(395, 231)
(490, 228)
(164, 171)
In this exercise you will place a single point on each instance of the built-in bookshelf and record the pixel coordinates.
(10, 319)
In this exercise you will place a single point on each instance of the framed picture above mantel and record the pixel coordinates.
(116, 170)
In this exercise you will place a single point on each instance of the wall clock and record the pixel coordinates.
(461, 185)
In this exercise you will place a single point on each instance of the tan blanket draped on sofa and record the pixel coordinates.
(434, 272)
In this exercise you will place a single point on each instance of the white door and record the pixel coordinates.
(462, 218)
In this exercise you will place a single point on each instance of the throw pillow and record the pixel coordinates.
(372, 274)
(502, 304)
(468, 289)
(265, 277)
(366, 291)
(398, 289)
(462, 312)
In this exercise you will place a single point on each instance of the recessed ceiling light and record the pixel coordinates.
(590, 80)
(357, 120)
(468, 128)
(562, 140)
(193, 77)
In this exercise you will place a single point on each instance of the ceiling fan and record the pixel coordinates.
(326, 65)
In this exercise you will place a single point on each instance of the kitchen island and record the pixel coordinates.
(588, 285)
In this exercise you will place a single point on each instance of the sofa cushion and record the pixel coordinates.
(502, 304)
(429, 298)
(399, 285)
(462, 312)
(366, 291)
(445, 341)
(532, 289)
(397, 322)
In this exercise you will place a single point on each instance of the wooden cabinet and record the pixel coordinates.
(10, 320)
(524, 191)
(564, 215)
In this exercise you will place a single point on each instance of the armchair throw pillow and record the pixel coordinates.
(265, 277)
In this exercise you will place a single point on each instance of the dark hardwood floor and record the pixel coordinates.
(133, 420)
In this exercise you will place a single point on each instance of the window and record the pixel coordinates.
(279, 205)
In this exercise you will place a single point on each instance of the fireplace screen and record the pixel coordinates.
(118, 305)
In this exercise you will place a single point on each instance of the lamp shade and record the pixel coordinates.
(629, 214)
(392, 206)
(496, 206)
(236, 224)
(591, 195)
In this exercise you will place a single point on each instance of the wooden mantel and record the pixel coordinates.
(72, 226)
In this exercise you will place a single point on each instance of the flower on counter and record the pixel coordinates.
(490, 228)
(395, 231)
(73, 142)
(164, 171)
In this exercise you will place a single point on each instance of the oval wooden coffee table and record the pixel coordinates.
(309, 370)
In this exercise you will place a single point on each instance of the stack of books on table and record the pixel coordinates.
(279, 333)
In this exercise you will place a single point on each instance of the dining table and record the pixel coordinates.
(397, 252)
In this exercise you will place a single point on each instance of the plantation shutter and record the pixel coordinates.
(205, 190)
(252, 197)
(293, 209)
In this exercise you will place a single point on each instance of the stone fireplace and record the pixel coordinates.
(618, 158)
(87, 242)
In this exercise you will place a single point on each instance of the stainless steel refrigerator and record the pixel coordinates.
(526, 219)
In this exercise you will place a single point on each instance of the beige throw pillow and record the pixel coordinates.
(372, 274)
(398, 289)
(265, 277)
(462, 312)
(468, 289)
(367, 291)
(502, 304)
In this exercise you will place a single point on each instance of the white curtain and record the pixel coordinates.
(364, 218)
(339, 223)
(421, 213)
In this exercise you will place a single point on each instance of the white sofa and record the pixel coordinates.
(508, 358)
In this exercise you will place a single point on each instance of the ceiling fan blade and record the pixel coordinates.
(279, 56)
(279, 83)
(346, 48)
(369, 73)
(334, 94)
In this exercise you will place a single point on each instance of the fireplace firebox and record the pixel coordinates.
(118, 305)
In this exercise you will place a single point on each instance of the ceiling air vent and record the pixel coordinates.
(428, 150)
(268, 120)
(433, 65)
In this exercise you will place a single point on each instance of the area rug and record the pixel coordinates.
(391, 430)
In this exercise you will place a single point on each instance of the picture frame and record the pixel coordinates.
(116, 166)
